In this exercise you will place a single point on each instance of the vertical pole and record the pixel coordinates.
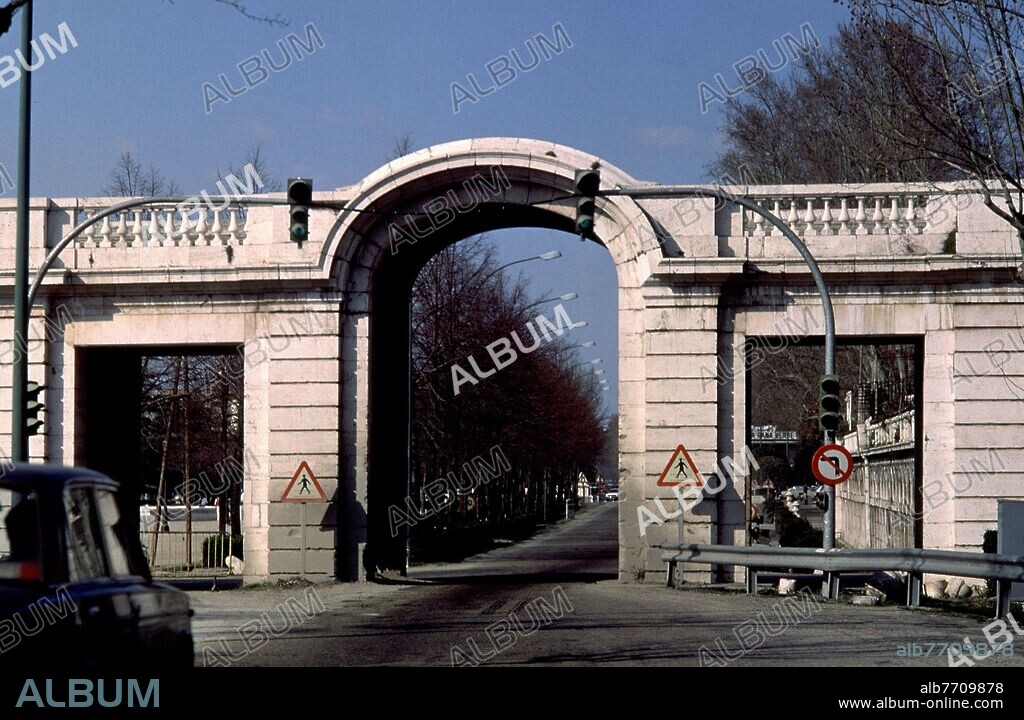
(302, 539)
(829, 539)
(186, 431)
(19, 438)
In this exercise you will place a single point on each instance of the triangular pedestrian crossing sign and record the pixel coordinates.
(680, 470)
(304, 487)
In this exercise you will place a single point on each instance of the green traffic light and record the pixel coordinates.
(300, 195)
(829, 403)
(586, 186)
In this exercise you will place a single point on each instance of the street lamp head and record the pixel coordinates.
(550, 255)
(596, 361)
(599, 372)
(568, 296)
(589, 343)
(581, 323)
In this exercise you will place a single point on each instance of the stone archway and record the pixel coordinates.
(381, 240)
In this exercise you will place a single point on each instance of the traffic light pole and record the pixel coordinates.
(677, 191)
(19, 435)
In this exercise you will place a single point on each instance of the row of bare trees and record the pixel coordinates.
(907, 90)
(191, 438)
(542, 410)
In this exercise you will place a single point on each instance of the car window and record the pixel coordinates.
(85, 553)
(110, 521)
(20, 544)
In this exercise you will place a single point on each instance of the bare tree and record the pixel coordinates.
(545, 411)
(839, 116)
(256, 159)
(975, 114)
(273, 21)
(128, 179)
(401, 147)
(7, 14)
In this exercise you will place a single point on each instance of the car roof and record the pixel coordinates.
(49, 477)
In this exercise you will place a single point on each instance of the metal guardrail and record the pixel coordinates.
(1004, 569)
(174, 557)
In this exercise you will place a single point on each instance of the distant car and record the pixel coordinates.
(75, 588)
(611, 495)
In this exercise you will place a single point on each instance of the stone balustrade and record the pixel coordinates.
(903, 213)
(891, 433)
(836, 221)
(162, 226)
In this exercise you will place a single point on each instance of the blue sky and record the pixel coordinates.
(627, 90)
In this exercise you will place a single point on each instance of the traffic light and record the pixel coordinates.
(32, 408)
(586, 185)
(300, 195)
(828, 403)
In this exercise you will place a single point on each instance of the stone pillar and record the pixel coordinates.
(682, 367)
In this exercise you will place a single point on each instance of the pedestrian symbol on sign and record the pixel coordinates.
(304, 487)
(680, 468)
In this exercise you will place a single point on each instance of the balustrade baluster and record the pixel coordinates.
(136, 228)
(243, 225)
(88, 236)
(233, 226)
(187, 236)
(911, 217)
(777, 211)
(894, 217)
(105, 232)
(844, 217)
(216, 230)
(862, 216)
(153, 231)
(201, 232)
(877, 217)
(121, 235)
(758, 223)
(169, 233)
(809, 217)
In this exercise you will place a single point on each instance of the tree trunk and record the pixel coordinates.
(225, 493)
(237, 388)
(161, 503)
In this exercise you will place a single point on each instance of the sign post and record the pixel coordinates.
(304, 488)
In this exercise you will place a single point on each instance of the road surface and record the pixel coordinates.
(554, 600)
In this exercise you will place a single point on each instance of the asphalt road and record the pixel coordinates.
(554, 599)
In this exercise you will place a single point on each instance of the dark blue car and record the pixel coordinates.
(75, 588)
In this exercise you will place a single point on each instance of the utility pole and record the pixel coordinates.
(19, 436)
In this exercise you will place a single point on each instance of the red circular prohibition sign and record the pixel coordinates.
(832, 464)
